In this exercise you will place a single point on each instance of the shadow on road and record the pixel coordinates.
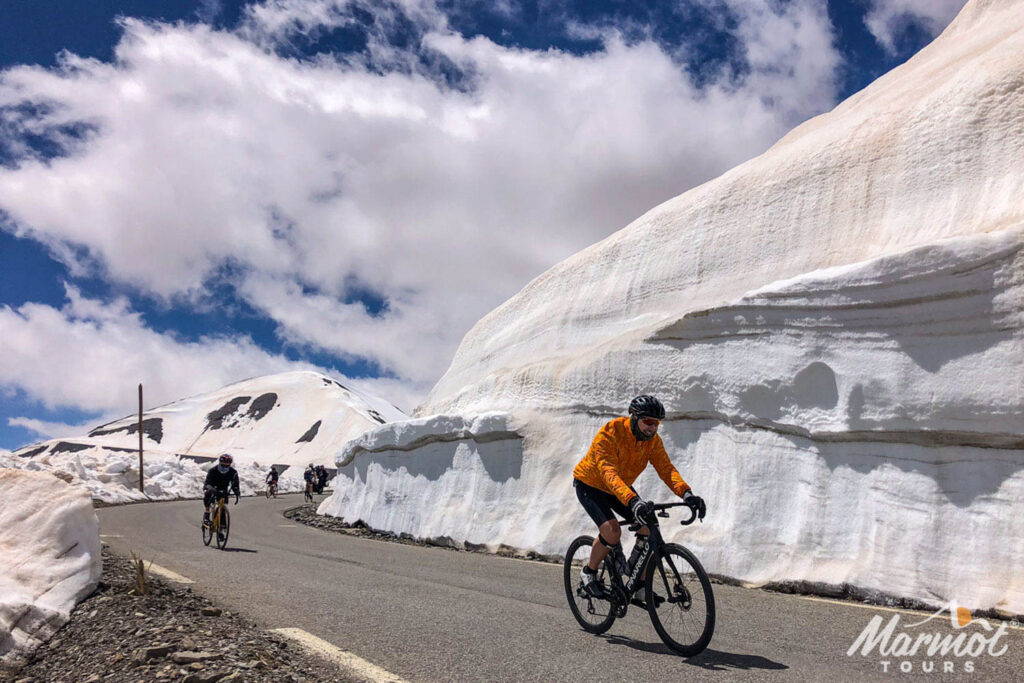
(716, 660)
(713, 660)
(654, 648)
(239, 550)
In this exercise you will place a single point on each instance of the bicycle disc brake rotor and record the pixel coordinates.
(681, 596)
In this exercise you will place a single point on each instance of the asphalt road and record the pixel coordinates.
(429, 614)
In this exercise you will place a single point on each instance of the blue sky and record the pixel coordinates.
(196, 192)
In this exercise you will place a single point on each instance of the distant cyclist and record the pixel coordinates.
(272, 477)
(310, 477)
(321, 478)
(603, 479)
(218, 480)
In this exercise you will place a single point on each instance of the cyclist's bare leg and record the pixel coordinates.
(611, 532)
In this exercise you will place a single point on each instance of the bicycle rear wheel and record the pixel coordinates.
(685, 619)
(225, 527)
(593, 614)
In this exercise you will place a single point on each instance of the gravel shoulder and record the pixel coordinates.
(118, 635)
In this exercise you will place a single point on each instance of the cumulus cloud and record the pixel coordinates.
(92, 355)
(54, 430)
(887, 19)
(317, 179)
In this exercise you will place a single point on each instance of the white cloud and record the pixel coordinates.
(55, 430)
(308, 176)
(888, 18)
(92, 355)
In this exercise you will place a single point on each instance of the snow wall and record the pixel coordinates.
(835, 328)
(49, 559)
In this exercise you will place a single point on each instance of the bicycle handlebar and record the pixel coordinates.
(657, 507)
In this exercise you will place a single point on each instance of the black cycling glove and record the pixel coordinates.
(642, 509)
(696, 503)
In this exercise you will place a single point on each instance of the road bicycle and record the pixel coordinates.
(271, 490)
(219, 525)
(677, 591)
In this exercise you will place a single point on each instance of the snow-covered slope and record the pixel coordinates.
(292, 418)
(836, 327)
(49, 558)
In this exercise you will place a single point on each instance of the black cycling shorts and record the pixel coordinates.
(599, 505)
(210, 495)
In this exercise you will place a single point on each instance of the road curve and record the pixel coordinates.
(429, 614)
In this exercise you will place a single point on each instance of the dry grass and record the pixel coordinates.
(141, 580)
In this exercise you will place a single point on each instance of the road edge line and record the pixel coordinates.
(883, 608)
(167, 573)
(355, 665)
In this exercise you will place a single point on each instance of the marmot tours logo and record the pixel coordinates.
(950, 652)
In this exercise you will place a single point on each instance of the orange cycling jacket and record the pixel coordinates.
(616, 459)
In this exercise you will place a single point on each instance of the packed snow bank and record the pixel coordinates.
(433, 477)
(113, 476)
(50, 559)
(836, 328)
(855, 426)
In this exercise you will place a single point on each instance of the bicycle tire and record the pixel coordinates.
(207, 532)
(580, 606)
(268, 493)
(678, 575)
(225, 528)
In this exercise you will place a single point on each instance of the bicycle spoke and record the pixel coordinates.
(686, 619)
(593, 614)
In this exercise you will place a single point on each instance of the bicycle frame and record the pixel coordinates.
(678, 582)
(217, 514)
(622, 591)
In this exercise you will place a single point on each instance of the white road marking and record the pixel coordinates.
(898, 610)
(111, 536)
(288, 526)
(357, 666)
(167, 573)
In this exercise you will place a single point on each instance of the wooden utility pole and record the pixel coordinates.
(141, 487)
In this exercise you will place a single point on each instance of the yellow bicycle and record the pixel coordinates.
(219, 525)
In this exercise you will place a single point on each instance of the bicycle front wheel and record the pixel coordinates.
(268, 493)
(680, 601)
(207, 532)
(225, 527)
(593, 614)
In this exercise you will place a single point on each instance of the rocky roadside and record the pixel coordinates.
(117, 635)
(306, 514)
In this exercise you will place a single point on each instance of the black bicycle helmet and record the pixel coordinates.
(646, 406)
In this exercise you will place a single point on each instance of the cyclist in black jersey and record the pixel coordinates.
(218, 480)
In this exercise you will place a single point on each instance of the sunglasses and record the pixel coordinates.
(649, 422)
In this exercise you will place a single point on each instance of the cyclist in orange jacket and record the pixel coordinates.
(603, 479)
